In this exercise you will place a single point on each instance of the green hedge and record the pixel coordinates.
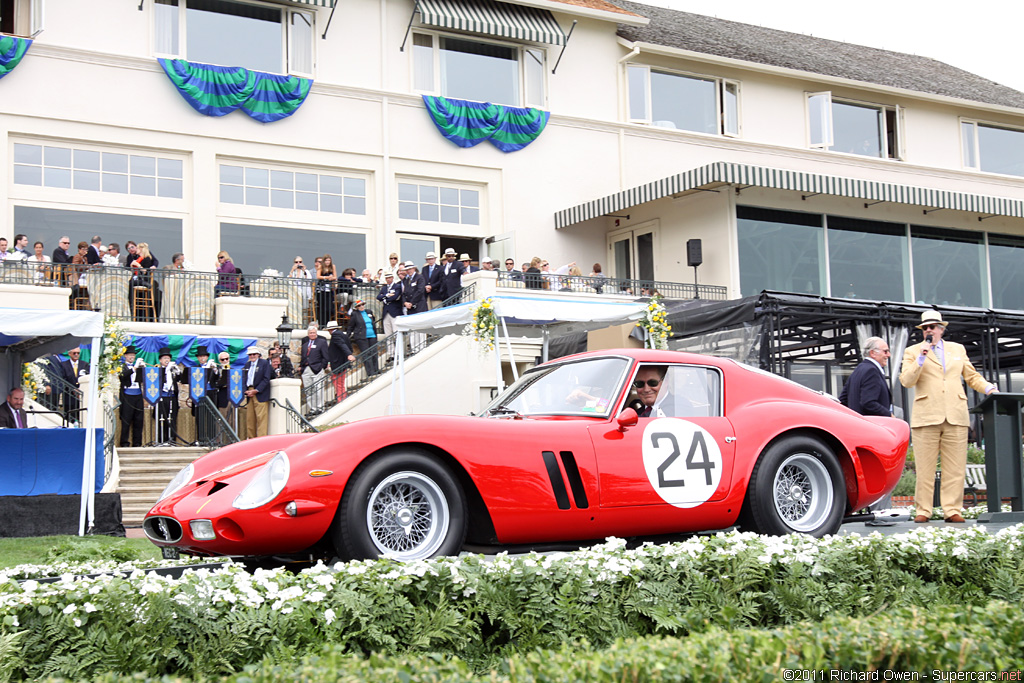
(948, 639)
(487, 610)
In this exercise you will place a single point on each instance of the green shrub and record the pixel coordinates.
(905, 486)
(908, 640)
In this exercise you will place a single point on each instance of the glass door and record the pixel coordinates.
(415, 247)
(632, 252)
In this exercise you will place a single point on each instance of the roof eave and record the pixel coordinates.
(589, 12)
(653, 48)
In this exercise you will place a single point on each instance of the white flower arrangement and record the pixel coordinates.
(655, 322)
(483, 325)
(270, 272)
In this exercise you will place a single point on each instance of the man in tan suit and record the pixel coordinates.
(939, 418)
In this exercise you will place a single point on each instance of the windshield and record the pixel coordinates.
(588, 387)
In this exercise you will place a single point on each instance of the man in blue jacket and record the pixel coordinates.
(867, 391)
(256, 379)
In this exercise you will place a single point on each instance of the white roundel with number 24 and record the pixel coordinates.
(683, 461)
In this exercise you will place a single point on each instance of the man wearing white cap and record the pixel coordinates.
(451, 276)
(256, 378)
(939, 419)
(432, 280)
(390, 296)
(313, 362)
(414, 299)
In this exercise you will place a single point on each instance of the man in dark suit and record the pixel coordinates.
(132, 417)
(313, 361)
(256, 378)
(339, 354)
(12, 413)
(414, 290)
(390, 296)
(94, 257)
(451, 275)
(414, 299)
(432, 280)
(867, 391)
(62, 261)
(72, 369)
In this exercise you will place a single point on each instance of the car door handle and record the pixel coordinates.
(730, 439)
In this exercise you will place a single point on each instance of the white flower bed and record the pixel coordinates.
(225, 590)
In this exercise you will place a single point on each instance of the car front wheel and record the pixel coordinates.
(404, 506)
(797, 487)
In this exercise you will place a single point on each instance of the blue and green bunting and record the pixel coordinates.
(469, 123)
(182, 347)
(11, 51)
(219, 90)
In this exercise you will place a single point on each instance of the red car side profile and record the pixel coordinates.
(560, 456)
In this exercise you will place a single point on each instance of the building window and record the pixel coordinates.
(75, 168)
(992, 148)
(467, 69)
(853, 127)
(439, 204)
(21, 17)
(164, 235)
(1005, 255)
(281, 189)
(256, 248)
(684, 102)
(260, 37)
(780, 250)
(868, 259)
(936, 279)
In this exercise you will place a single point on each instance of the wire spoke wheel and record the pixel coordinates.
(803, 492)
(407, 516)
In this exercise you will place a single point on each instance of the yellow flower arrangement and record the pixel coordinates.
(483, 323)
(655, 321)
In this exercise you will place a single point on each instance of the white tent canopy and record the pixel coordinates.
(528, 316)
(27, 334)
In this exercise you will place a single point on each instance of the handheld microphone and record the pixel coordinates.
(928, 338)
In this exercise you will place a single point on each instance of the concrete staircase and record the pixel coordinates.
(143, 475)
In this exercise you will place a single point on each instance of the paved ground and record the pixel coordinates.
(904, 523)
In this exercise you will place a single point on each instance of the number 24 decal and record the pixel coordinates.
(692, 463)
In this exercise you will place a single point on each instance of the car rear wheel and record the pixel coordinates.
(797, 487)
(406, 506)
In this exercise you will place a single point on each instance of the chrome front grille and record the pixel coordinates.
(162, 529)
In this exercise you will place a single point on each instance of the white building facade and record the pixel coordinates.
(802, 165)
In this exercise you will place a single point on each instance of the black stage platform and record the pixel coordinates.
(54, 515)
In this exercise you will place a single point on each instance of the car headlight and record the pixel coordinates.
(266, 484)
(180, 479)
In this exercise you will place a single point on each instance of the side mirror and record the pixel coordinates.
(627, 418)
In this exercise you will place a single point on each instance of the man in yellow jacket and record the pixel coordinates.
(939, 417)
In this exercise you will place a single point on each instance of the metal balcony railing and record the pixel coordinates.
(338, 384)
(610, 286)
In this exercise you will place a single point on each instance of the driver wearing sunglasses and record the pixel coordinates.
(647, 384)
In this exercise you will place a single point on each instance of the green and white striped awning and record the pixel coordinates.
(723, 173)
(317, 3)
(493, 18)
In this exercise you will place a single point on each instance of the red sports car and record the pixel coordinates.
(623, 443)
